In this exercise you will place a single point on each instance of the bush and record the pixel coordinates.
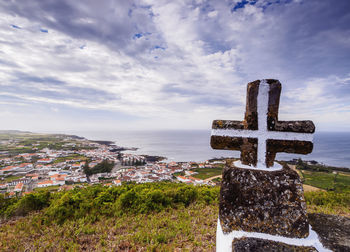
(28, 203)
(94, 201)
(328, 199)
(129, 198)
(102, 167)
(5, 204)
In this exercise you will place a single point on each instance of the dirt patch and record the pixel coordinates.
(211, 178)
(309, 188)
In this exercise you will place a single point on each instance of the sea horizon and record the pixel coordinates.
(330, 148)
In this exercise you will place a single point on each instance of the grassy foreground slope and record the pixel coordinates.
(144, 217)
(165, 216)
(184, 229)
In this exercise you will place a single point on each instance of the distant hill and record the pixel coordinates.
(14, 132)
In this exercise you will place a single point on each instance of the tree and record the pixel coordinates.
(87, 169)
(104, 166)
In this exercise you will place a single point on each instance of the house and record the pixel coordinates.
(190, 173)
(219, 162)
(172, 164)
(7, 169)
(186, 166)
(18, 187)
(77, 178)
(26, 165)
(31, 175)
(183, 179)
(23, 180)
(77, 166)
(45, 161)
(117, 182)
(58, 179)
(196, 181)
(45, 183)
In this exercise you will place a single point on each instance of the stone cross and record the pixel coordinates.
(261, 204)
(260, 136)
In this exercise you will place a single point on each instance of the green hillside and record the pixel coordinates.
(144, 217)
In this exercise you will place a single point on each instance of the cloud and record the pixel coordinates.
(173, 63)
(112, 23)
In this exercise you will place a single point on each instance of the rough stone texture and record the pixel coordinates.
(227, 124)
(248, 148)
(333, 231)
(266, 202)
(251, 115)
(262, 245)
(293, 126)
(288, 146)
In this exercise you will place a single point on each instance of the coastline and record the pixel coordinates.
(330, 148)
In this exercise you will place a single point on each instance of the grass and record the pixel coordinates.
(73, 156)
(204, 173)
(45, 189)
(217, 180)
(174, 227)
(326, 180)
(328, 202)
(31, 140)
(184, 229)
(11, 178)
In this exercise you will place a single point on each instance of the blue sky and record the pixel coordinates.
(153, 64)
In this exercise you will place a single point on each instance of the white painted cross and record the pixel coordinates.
(231, 134)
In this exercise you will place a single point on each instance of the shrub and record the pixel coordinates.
(94, 201)
(28, 203)
(328, 199)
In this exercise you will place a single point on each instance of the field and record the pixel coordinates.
(11, 178)
(204, 173)
(73, 156)
(328, 181)
(49, 188)
(16, 142)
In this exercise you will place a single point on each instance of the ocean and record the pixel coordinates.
(330, 148)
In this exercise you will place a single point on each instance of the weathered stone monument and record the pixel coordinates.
(262, 206)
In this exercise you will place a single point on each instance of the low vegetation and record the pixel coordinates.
(204, 173)
(96, 201)
(104, 166)
(144, 217)
(324, 177)
(154, 215)
(338, 182)
(328, 202)
(174, 229)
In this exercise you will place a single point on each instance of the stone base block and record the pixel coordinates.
(262, 245)
(264, 202)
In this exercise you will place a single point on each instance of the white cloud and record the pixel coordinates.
(172, 64)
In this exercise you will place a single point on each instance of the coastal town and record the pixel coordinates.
(29, 162)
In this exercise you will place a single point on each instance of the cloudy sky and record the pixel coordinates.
(153, 64)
